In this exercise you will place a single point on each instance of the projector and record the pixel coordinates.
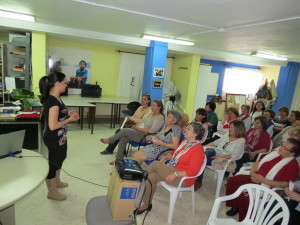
(129, 169)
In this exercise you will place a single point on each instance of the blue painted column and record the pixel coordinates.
(156, 57)
(286, 84)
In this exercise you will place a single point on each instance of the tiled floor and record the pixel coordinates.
(84, 161)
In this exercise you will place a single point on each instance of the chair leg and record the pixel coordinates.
(220, 174)
(173, 197)
(193, 198)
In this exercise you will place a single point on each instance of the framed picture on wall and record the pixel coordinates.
(235, 100)
(159, 72)
(157, 84)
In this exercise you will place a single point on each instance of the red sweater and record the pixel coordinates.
(190, 162)
(264, 140)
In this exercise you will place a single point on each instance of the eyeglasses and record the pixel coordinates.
(285, 148)
(226, 144)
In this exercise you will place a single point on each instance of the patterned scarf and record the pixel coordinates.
(251, 141)
(175, 158)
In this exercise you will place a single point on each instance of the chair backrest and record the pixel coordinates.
(181, 137)
(265, 206)
(202, 167)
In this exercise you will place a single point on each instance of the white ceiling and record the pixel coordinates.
(221, 29)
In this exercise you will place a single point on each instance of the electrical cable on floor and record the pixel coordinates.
(149, 200)
(12, 155)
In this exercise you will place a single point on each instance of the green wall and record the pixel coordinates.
(38, 54)
(185, 77)
(105, 63)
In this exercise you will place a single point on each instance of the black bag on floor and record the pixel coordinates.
(91, 90)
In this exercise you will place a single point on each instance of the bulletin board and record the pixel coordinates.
(235, 100)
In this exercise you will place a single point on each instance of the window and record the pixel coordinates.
(241, 81)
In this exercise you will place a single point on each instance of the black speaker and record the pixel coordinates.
(91, 90)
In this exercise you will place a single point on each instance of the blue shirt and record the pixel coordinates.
(82, 73)
(213, 119)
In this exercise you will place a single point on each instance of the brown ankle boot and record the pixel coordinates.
(59, 183)
(197, 185)
(52, 191)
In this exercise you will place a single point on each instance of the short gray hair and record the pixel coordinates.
(198, 129)
(176, 115)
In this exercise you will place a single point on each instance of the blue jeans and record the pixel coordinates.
(209, 152)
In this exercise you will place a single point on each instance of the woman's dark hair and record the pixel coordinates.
(234, 110)
(82, 61)
(284, 109)
(296, 147)
(239, 128)
(272, 113)
(263, 106)
(48, 82)
(263, 120)
(198, 129)
(211, 105)
(203, 112)
(160, 104)
(148, 97)
(55, 66)
(297, 114)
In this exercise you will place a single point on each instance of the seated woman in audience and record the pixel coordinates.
(286, 132)
(230, 115)
(276, 169)
(270, 115)
(149, 124)
(258, 110)
(167, 138)
(245, 116)
(212, 118)
(257, 141)
(142, 111)
(186, 160)
(281, 121)
(230, 146)
(201, 117)
(293, 202)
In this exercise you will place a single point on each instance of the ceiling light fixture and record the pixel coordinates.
(268, 56)
(17, 16)
(174, 41)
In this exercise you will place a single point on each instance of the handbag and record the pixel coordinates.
(219, 164)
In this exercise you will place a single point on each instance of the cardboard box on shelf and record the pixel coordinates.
(122, 196)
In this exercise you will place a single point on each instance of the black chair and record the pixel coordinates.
(132, 107)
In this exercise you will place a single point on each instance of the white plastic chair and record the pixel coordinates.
(219, 175)
(261, 154)
(175, 190)
(265, 207)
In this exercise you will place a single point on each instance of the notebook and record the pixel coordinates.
(11, 143)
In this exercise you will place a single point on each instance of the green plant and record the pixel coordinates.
(27, 97)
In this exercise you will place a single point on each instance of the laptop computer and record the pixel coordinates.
(11, 143)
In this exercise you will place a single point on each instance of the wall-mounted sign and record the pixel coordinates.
(157, 84)
(159, 72)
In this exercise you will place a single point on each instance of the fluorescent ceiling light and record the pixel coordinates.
(17, 16)
(268, 56)
(174, 41)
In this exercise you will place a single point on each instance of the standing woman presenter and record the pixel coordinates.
(56, 117)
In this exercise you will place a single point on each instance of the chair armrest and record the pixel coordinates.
(162, 152)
